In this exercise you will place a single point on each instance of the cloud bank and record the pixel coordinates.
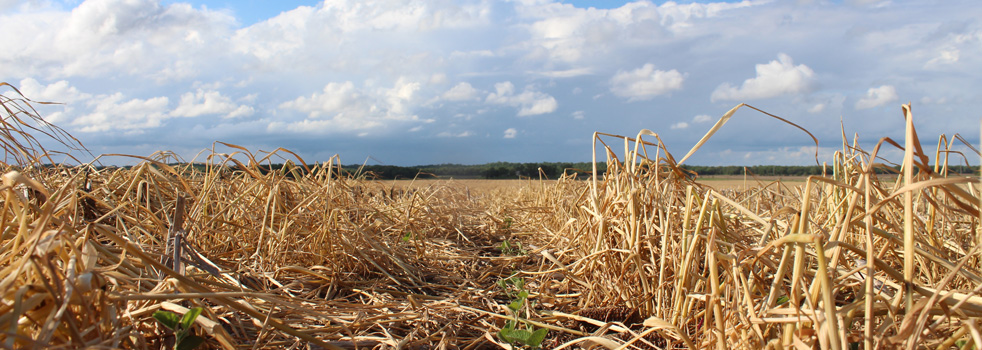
(492, 81)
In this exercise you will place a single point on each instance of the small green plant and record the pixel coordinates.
(409, 235)
(514, 288)
(522, 337)
(517, 333)
(507, 248)
(508, 222)
(181, 325)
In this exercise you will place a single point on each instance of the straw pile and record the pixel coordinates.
(641, 257)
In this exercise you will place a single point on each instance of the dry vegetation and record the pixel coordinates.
(640, 258)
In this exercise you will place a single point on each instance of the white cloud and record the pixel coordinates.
(336, 98)
(400, 96)
(139, 38)
(68, 98)
(209, 102)
(457, 135)
(460, 92)
(702, 118)
(341, 107)
(59, 92)
(111, 112)
(568, 73)
(530, 102)
(945, 57)
(563, 34)
(817, 108)
(775, 78)
(679, 125)
(877, 97)
(510, 133)
(645, 83)
(579, 115)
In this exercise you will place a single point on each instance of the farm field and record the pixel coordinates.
(308, 258)
(484, 186)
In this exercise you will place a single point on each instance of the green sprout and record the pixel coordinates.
(517, 333)
(181, 325)
(507, 248)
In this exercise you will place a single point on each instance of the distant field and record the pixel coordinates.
(482, 185)
(738, 182)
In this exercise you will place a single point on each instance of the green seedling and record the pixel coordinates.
(512, 286)
(409, 235)
(181, 325)
(522, 337)
(512, 249)
(519, 334)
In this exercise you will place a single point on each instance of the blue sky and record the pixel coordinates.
(442, 81)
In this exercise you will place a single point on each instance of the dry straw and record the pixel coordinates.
(641, 257)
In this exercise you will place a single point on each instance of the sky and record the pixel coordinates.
(439, 81)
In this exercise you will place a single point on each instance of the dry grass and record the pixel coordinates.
(640, 258)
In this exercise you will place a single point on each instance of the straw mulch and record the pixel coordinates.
(642, 257)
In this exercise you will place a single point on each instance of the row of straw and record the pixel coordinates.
(861, 257)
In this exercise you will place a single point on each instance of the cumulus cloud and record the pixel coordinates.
(775, 78)
(121, 37)
(679, 125)
(342, 107)
(400, 96)
(510, 133)
(702, 118)
(562, 33)
(877, 96)
(209, 102)
(578, 115)
(60, 91)
(460, 92)
(529, 102)
(115, 112)
(645, 83)
(336, 98)
(87, 113)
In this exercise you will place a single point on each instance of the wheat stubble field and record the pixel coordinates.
(641, 257)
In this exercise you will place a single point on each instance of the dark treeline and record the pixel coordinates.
(498, 170)
(554, 170)
(504, 170)
(763, 170)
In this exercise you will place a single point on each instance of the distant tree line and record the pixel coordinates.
(764, 170)
(552, 170)
(497, 170)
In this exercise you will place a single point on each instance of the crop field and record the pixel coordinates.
(641, 257)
